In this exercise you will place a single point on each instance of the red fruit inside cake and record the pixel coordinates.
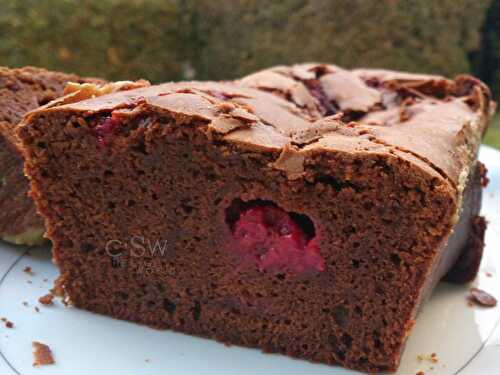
(272, 239)
(104, 130)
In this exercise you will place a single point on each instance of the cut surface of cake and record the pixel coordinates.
(305, 210)
(22, 90)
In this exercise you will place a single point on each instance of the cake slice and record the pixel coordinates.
(22, 90)
(310, 214)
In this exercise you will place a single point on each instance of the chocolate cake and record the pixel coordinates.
(304, 210)
(21, 90)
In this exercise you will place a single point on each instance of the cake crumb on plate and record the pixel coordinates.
(7, 322)
(428, 357)
(42, 354)
(481, 298)
(47, 299)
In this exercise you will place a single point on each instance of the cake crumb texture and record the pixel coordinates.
(306, 210)
(42, 354)
(481, 298)
(47, 299)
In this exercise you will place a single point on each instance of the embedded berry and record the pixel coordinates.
(271, 239)
(104, 130)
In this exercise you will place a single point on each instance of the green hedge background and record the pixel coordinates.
(164, 40)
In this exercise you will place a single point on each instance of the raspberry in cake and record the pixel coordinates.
(305, 210)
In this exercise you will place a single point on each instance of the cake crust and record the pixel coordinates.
(395, 116)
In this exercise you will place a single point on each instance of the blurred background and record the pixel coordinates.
(163, 40)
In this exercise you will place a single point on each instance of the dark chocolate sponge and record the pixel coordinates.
(22, 90)
(303, 210)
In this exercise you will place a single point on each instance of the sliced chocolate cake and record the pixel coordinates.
(307, 211)
(22, 90)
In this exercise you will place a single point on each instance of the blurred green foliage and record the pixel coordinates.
(116, 39)
(215, 39)
(493, 135)
(426, 36)
(487, 62)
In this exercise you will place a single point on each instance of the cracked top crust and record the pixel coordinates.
(24, 89)
(434, 122)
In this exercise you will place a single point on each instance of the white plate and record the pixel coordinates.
(465, 339)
